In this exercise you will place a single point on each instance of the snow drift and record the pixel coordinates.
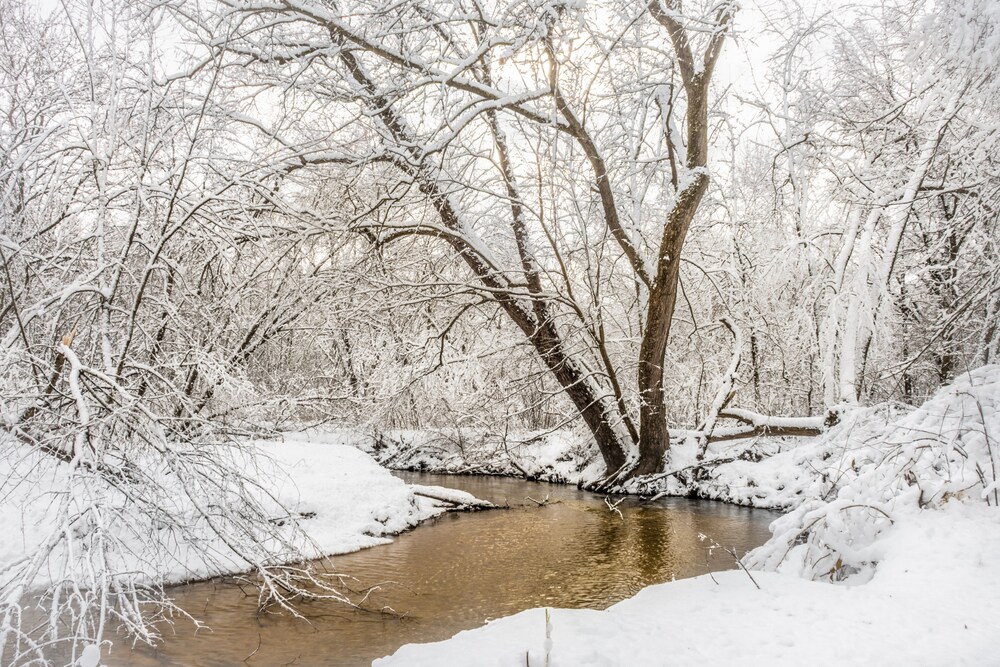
(877, 470)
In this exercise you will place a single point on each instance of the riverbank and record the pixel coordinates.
(889, 555)
(764, 472)
(324, 499)
(891, 528)
(934, 601)
(274, 505)
(345, 500)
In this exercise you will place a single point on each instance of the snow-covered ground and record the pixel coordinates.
(563, 456)
(770, 473)
(71, 539)
(890, 556)
(352, 502)
(348, 502)
(889, 552)
(935, 601)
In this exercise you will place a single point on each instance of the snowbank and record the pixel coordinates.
(339, 496)
(875, 474)
(899, 506)
(352, 502)
(935, 601)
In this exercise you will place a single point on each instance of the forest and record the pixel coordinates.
(257, 254)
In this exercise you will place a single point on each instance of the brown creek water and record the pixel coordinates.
(456, 571)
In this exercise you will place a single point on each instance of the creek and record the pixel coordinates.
(455, 572)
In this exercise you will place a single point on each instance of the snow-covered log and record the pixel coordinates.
(760, 425)
(452, 498)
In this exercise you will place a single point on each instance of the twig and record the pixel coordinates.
(254, 652)
(739, 561)
(614, 507)
(732, 552)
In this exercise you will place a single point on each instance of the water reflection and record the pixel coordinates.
(462, 569)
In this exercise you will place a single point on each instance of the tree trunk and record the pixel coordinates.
(654, 438)
(654, 435)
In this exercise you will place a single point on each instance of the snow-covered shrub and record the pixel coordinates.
(880, 471)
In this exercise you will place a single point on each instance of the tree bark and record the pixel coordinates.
(654, 439)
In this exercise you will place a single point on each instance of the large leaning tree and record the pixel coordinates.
(551, 156)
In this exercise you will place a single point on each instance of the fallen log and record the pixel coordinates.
(758, 425)
(459, 500)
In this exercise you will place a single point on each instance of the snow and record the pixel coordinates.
(448, 496)
(934, 601)
(357, 503)
(889, 556)
(878, 471)
(343, 499)
(90, 656)
(764, 472)
(562, 456)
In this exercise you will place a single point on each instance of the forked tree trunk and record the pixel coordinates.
(654, 439)
(606, 417)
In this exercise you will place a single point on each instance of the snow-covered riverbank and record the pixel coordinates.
(934, 601)
(351, 501)
(73, 538)
(887, 555)
(342, 498)
(890, 556)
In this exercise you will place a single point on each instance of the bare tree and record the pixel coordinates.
(500, 100)
(137, 283)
